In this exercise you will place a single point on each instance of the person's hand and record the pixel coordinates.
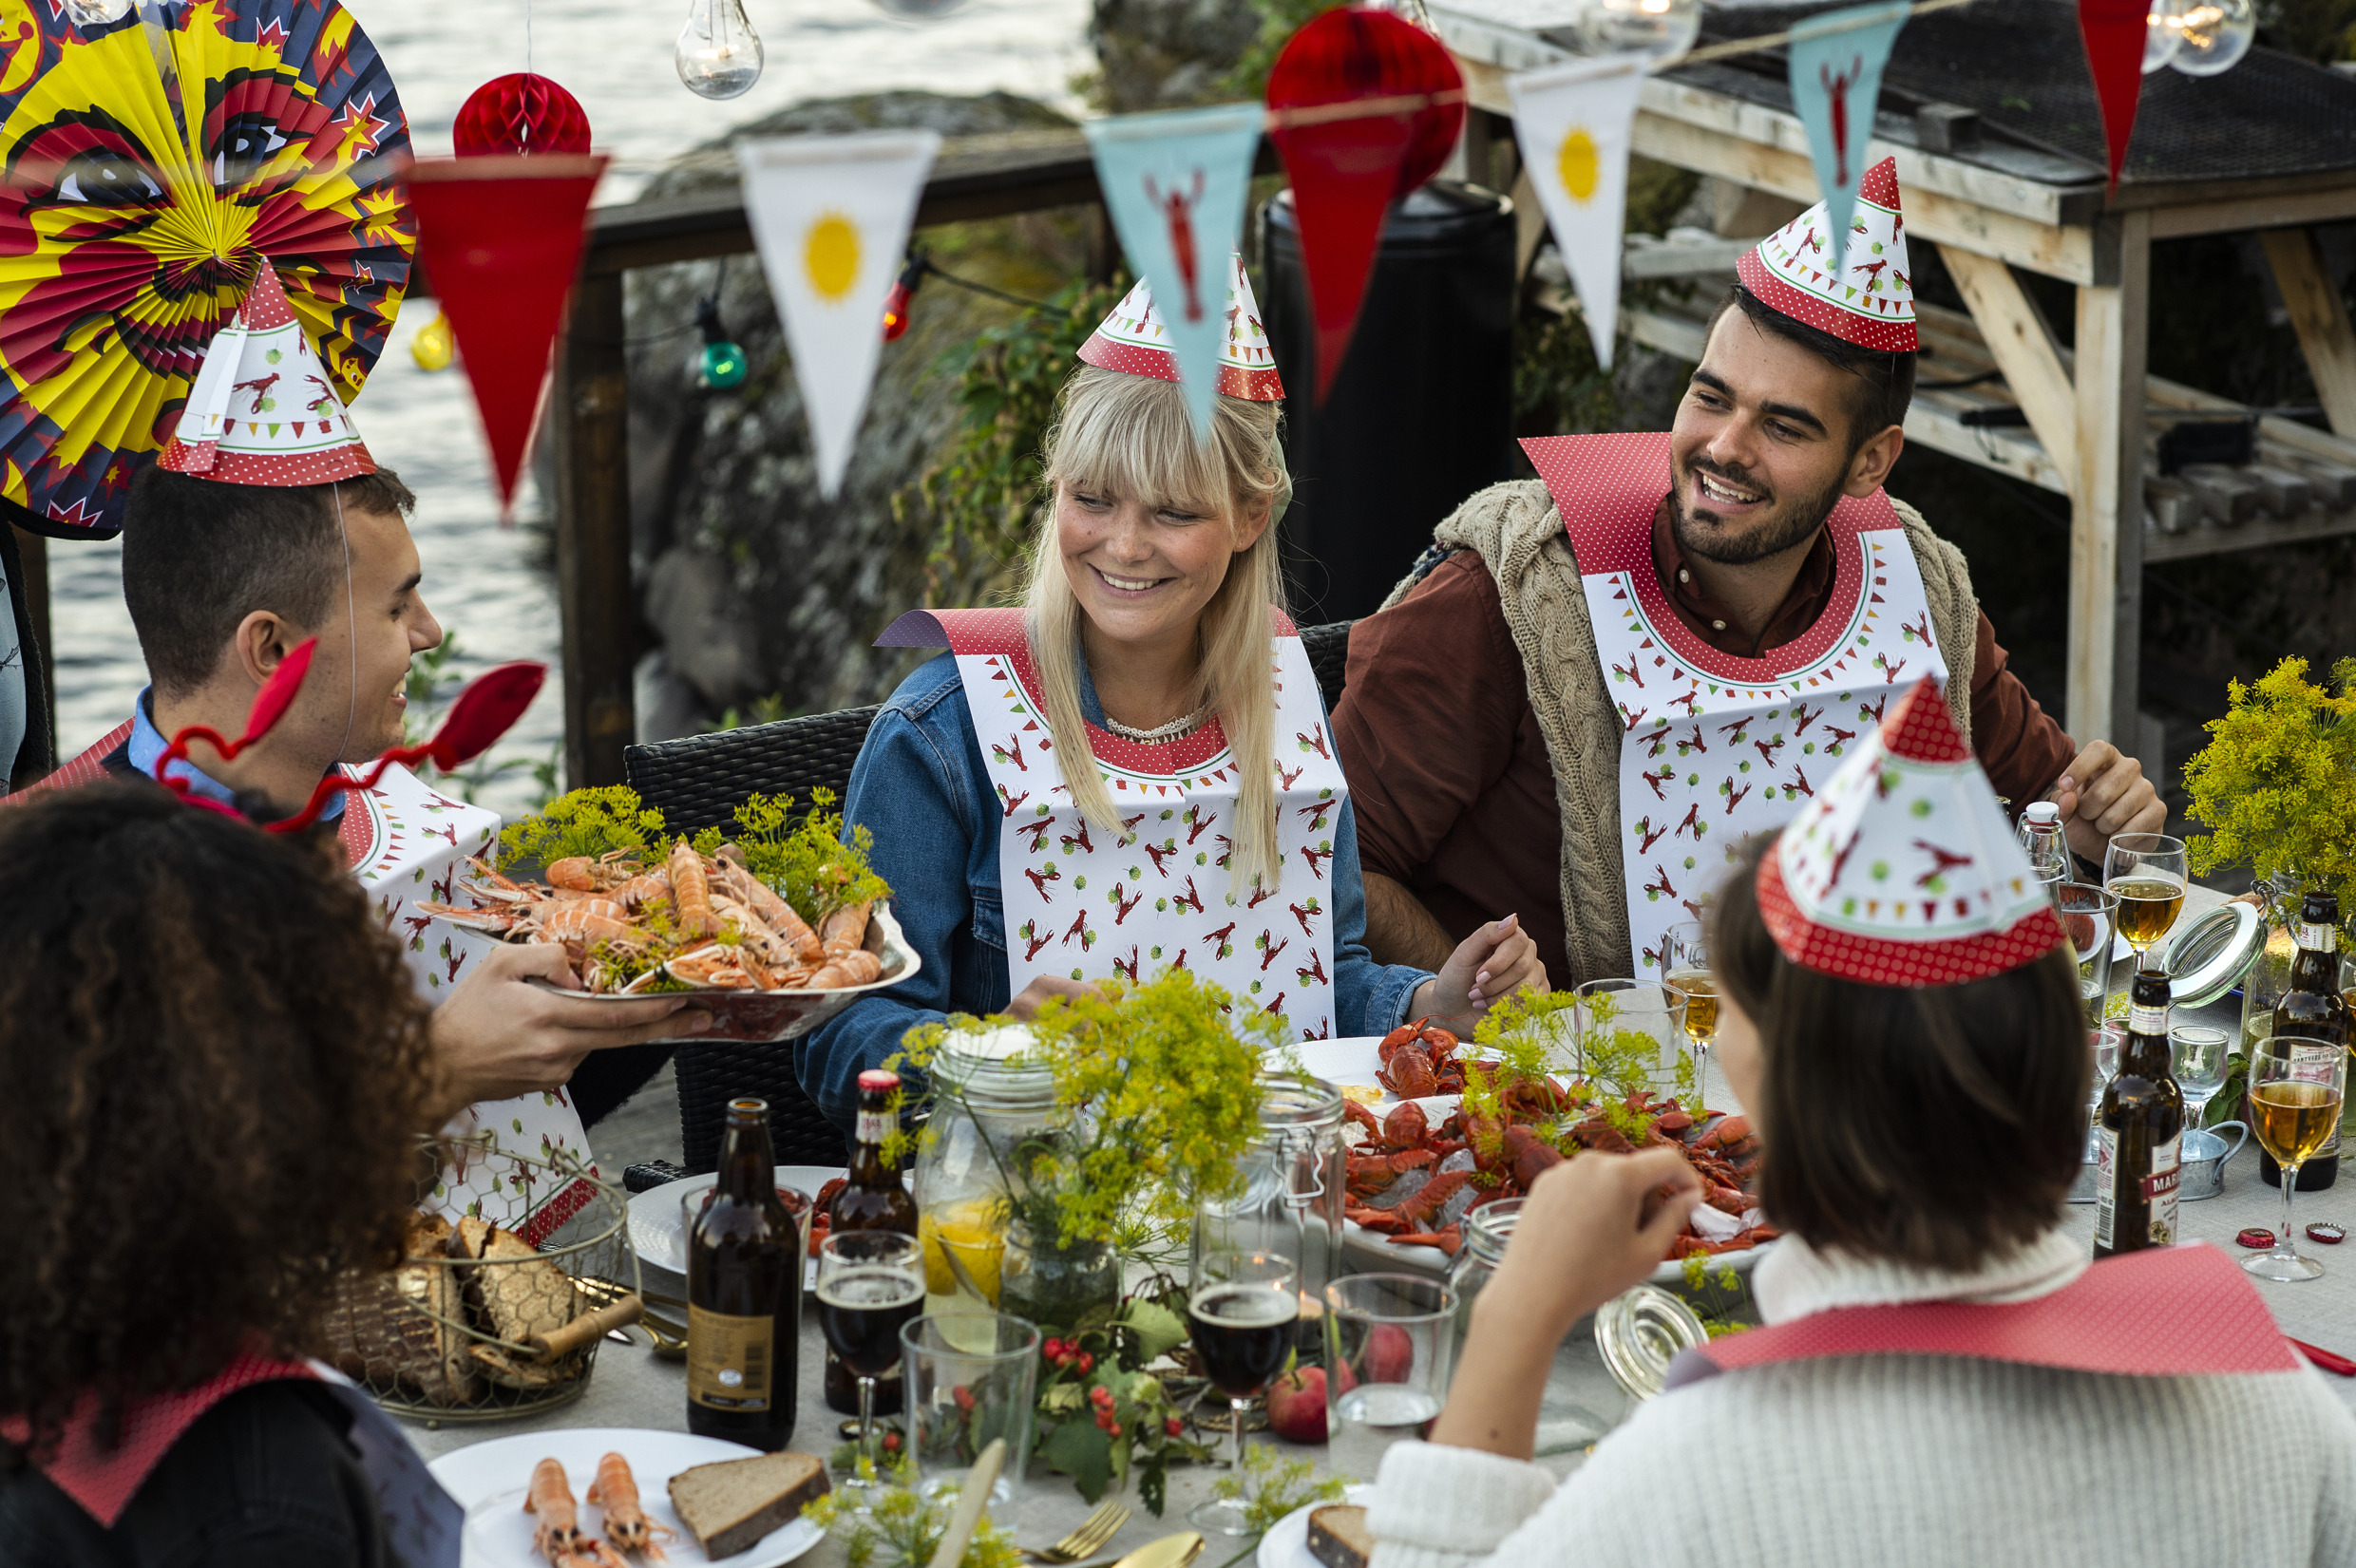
(1490, 964)
(1591, 1227)
(2103, 794)
(496, 1037)
(1034, 997)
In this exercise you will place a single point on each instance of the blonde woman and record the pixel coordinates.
(1208, 825)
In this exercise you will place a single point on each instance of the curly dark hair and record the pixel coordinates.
(214, 1071)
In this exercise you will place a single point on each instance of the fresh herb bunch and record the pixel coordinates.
(1271, 1487)
(810, 865)
(1102, 1413)
(2277, 784)
(901, 1524)
(1523, 1034)
(585, 822)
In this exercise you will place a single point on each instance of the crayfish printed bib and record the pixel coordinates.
(1083, 902)
(1714, 746)
(409, 843)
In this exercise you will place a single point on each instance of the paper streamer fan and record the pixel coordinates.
(150, 183)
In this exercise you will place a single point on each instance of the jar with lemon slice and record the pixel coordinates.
(989, 1102)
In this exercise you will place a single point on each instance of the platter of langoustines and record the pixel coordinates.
(681, 922)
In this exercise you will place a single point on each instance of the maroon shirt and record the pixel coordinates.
(1448, 774)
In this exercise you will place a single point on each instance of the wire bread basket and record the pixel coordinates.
(497, 1312)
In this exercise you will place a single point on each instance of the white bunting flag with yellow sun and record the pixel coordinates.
(1573, 123)
(830, 215)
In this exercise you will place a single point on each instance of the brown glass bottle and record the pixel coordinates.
(872, 1199)
(744, 1294)
(2140, 1132)
(2311, 1006)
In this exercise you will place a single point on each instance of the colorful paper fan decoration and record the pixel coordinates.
(143, 207)
(521, 114)
(1346, 171)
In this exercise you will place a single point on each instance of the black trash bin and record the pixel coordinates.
(1422, 413)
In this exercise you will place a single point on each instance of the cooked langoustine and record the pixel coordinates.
(615, 1490)
(559, 1537)
(691, 890)
(778, 915)
(845, 930)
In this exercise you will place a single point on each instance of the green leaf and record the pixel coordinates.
(1080, 1450)
(1158, 1329)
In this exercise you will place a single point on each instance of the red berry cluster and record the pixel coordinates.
(1101, 1397)
(1066, 1352)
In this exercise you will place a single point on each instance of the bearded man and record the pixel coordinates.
(1591, 692)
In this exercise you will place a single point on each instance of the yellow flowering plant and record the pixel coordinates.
(2277, 784)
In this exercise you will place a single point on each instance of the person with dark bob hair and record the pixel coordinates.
(1943, 1377)
(213, 1072)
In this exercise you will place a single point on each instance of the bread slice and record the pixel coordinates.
(524, 1295)
(396, 1328)
(729, 1504)
(1339, 1537)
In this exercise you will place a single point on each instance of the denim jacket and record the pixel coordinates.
(920, 787)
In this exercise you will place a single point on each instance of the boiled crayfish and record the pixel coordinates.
(1419, 1061)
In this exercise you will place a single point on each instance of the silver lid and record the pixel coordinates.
(1295, 1100)
(989, 1069)
(2208, 955)
(1640, 1332)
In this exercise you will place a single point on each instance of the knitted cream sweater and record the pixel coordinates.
(1908, 1461)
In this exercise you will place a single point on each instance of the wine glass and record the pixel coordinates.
(2295, 1089)
(1242, 1309)
(2104, 1041)
(2146, 871)
(2198, 1053)
(1686, 964)
(1632, 1032)
(2090, 917)
(869, 1283)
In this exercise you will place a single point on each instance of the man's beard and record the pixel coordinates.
(1700, 535)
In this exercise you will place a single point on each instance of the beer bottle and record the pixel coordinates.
(2313, 1007)
(744, 1294)
(872, 1199)
(2140, 1132)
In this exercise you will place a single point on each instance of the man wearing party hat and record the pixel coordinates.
(1133, 773)
(1595, 688)
(264, 523)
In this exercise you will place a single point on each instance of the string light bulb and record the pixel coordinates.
(898, 304)
(2213, 36)
(718, 53)
(434, 348)
(2162, 33)
(720, 365)
(1661, 29)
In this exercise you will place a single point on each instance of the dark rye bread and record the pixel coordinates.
(1339, 1537)
(729, 1504)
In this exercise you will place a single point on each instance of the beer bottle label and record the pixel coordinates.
(2147, 1020)
(874, 1126)
(2105, 1184)
(2160, 1191)
(729, 1359)
(2318, 938)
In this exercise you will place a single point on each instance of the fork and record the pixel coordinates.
(1093, 1532)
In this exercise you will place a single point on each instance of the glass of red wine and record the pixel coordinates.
(1242, 1309)
(869, 1283)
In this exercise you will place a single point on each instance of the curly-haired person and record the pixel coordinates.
(213, 1073)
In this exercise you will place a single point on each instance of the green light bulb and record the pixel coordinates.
(723, 366)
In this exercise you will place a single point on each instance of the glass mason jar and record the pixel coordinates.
(1055, 1286)
(1291, 1202)
(1487, 1230)
(987, 1102)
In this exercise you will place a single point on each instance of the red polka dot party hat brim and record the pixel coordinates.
(1862, 291)
(261, 410)
(1134, 340)
(1901, 870)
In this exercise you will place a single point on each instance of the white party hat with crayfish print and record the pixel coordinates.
(1901, 870)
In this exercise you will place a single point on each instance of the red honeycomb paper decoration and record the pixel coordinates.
(519, 113)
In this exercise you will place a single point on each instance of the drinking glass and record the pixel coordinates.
(971, 1375)
(2090, 916)
(2295, 1089)
(1387, 1342)
(1242, 1308)
(2146, 871)
(2105, 1041)
(1686, 964)
(2198, 1055)
(870, 1284)
(1633, 1032)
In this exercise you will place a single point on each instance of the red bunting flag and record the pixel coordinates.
(501, 240)
(2114, 33)
(1347, 172)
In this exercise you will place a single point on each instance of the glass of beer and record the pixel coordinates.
(2145, 872)
(1686, 964)
(870, 1284)
(2295, 1089)
(1241, 1310)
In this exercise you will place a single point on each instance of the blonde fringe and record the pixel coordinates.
(1130, 436)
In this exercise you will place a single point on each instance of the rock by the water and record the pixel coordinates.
(1167, 54)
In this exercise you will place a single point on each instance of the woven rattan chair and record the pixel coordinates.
(697, 782)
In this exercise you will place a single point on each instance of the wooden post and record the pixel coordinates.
(2106, 507)
(589, 415)
(2321, 317)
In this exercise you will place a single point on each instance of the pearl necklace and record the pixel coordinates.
(1160, 734)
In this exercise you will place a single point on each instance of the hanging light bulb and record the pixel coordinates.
(720, 365)
(718, 53)
(896, 303)
(918, 10)
(2164, 30)
(97, 14)
(1662, 29)
(2214, 35)
(433, 345)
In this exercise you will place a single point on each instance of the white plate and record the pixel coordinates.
(490, 1480)
(657, 1224)
(1286, 1544)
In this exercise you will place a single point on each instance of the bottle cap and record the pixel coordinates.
(2044, 813)
(2256, 1238)
(2326, 1233)
(877, 1080)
